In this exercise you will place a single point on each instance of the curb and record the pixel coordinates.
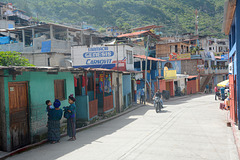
(236, 140)
(31, 146)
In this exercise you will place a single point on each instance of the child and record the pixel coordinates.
(49, 105)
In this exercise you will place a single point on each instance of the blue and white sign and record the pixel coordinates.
(98, 56)
(224, 57)
(101, 57)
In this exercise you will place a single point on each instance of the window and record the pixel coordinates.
(59, 89)
(176, 49)
(210, 48)
(129, 57)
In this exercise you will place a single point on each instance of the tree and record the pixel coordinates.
(13, 59)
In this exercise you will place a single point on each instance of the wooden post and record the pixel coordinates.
(95, 76)
(86, 82)
(111, 83)
(103, 88)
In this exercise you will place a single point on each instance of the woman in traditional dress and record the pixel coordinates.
(71, 121)
(54, 117)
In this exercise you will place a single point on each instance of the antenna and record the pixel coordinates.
(196, 22)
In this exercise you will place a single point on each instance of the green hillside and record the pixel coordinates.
(174, 15)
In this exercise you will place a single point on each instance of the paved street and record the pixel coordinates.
(191, 128)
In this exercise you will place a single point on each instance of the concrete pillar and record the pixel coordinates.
(91, 40)
(33, 33)
(237, 38)
(82, 37)
(51, 32)
(23, 37)
(141, 64)
(68, 35)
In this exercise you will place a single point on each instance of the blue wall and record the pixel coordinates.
(82, 110)
(234, 38)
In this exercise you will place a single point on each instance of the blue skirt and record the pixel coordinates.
(54, 132)
(71, 127)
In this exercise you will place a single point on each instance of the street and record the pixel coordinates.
(189, 128)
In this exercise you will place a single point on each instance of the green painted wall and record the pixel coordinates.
(82, 111)
(41, 88)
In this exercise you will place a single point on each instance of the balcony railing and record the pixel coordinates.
(220, 70)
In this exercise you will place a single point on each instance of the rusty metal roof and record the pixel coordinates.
(149, 58)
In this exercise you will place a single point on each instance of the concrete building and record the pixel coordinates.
(231, 27)
(165, 49)
(46, 44)
(114, 31)
(218, 46)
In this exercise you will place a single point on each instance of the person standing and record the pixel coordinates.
(54, 117)
(142, 96)
(222, 93)
(71, 120)
(216, 92)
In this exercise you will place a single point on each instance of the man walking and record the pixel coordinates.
(142, 96)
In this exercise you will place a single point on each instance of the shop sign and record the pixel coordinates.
(230, 68)
(170, 74)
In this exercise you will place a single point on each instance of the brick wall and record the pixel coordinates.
(190, 66)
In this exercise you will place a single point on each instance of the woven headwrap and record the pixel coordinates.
(57, 103)
(72, 98)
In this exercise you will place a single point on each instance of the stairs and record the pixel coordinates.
(209, 77)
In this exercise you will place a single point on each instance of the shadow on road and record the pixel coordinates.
(94, 134)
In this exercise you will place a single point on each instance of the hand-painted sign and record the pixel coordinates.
(107, 83)
(175, 56)
(101, 57)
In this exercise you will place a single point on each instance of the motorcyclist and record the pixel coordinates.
(159, 95)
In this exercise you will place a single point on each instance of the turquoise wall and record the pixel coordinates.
(41, 88)
(82, 104)
(126, 87)
(91, 95)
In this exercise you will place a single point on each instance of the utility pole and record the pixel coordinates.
(118, 105)
(145, 87)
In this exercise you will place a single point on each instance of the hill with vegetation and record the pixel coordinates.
(177, 16)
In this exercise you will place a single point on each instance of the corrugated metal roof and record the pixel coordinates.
(132, 34)
(149, 58)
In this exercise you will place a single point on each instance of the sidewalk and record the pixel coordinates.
(4, 155)
(236, 135)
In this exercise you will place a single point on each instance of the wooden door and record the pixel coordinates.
(232, 97)
(18, 105)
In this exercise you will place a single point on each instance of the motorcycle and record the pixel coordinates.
(158, 104)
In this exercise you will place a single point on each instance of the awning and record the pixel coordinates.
(149, 58)
(223, 83)
(191, 77)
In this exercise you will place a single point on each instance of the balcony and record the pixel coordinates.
(220, 70)
(39, 46)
